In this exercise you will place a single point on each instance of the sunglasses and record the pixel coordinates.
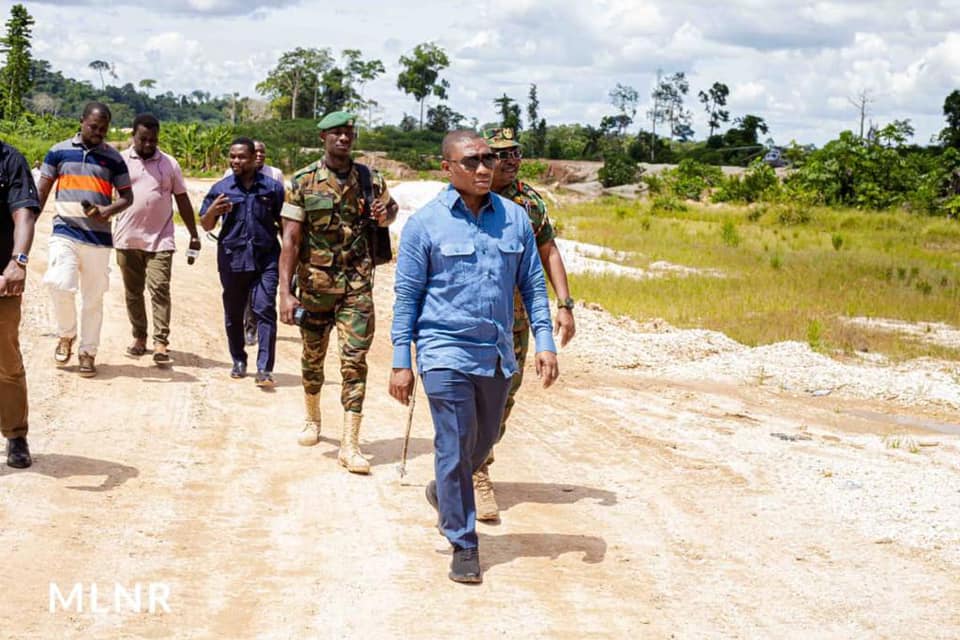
(472, 163)
(510, 154)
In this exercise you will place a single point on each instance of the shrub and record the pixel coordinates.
(729, 234)
(837, 241)
(618, 169)
(533, 170)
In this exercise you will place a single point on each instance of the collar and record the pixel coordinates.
(258, 179)
(450, 196)
(77, 141)
(132, 153)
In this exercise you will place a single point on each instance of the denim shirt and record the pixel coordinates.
(455, 276)
(249, 231)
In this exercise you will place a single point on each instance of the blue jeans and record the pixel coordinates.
(466, 412)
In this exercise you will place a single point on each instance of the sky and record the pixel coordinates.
(796, 64)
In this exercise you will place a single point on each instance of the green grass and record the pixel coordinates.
(788, 277)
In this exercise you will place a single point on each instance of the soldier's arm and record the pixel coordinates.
(563, 323)
(289, 253)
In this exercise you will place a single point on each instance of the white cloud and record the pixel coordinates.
(794, 64)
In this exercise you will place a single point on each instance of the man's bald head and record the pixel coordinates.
(453, 139)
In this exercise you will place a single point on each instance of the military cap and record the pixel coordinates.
(504, 138)
(336, 119)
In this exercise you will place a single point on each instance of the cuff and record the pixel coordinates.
(401, 357)
(543, 341)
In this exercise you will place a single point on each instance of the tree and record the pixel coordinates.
(45, 104)
(668, 105)
(950, 136)
(509, 112)
(421, 74)
(746, 131)
(15, 76)
(408, 123)
(295, 71)
(100, 66)
(146, 84)
(625, 99)
(442, 118)
(861, 102)
(714, 100)
(537, 135)
(361, 72)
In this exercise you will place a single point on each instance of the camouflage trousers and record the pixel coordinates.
(352, 313)
(521, 345)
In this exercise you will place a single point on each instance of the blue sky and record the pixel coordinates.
(794, 63)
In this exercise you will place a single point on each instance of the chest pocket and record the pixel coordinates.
(511, 251)
(460, 259)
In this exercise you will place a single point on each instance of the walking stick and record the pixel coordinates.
(402, 467)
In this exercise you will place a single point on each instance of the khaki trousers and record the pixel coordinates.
(13, 378)
(151, 270)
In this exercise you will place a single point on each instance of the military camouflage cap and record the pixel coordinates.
(505, 138)
(336, 119)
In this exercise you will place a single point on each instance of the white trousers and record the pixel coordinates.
(72, 265)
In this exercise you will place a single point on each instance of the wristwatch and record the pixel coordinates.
(566, 303)
(21, 259)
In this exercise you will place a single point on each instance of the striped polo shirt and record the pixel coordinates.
(83, 173)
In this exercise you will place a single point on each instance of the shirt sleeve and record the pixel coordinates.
(22, 193)
(51, 165)
(533, 290)
(539, 220)
(208, 200)
(293, 202)
(413, 261)
(177, 183)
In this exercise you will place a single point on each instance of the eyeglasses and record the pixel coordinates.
(510, 154)
(472, 163)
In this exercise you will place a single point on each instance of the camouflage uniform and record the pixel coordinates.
(527, 197)
(335, 274)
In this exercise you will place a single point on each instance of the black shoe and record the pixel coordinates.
(239, 369)
(18, 453)
(265, 380)
(465, 566)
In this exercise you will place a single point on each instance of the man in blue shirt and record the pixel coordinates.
(248, 254)
(460, 258)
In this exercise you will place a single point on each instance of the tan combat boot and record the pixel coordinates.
(350, 456)
(310, 434)
(487, 508)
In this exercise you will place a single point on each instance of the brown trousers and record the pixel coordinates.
(13, 378)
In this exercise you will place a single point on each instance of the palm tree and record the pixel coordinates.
(100, 66)
(147, 84)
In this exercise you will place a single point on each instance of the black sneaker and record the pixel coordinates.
(18, 453)
(465, 566)
(239, 369)
(265, 380)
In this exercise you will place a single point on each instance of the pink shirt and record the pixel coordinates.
(148, 223)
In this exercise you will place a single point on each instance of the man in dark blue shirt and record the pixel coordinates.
(248, 204)
(19, 208)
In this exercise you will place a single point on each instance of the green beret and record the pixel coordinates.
(505, 138)
(336, 119)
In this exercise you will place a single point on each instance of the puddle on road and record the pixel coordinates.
(910, 422)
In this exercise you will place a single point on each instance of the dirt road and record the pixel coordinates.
(632, 503)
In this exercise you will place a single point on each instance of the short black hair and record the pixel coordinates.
(456, 137)
(96, 106)
(147, 121)
(245, 141)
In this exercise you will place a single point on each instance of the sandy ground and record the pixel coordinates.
(673, 484)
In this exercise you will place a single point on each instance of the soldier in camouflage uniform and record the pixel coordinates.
(505, 182)
(325, 242)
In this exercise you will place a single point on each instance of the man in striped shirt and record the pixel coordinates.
(86, 171)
